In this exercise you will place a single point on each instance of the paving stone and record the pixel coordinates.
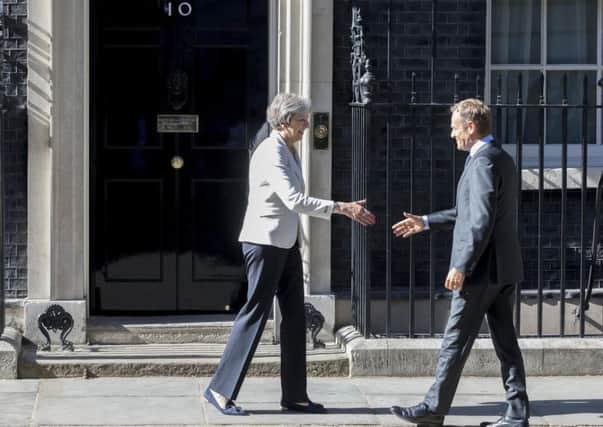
(96, 411)
(20, 386)
(16, 407)
(110, 387)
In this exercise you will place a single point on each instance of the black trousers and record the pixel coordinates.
(467, 311)
(270, 271)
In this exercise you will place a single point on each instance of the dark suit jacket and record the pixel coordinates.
(485, 242)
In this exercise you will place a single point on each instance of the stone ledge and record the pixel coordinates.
(418, 357)
(165, 360)
(10, 351)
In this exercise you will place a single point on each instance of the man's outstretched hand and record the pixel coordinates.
(413, 224)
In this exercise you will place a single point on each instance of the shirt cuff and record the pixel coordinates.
(425, 222)
(330, 208)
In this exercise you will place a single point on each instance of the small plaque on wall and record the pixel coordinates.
(177, 123)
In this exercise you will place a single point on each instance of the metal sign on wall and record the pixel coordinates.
(178, 123)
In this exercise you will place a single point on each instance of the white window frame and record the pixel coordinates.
(552, 151)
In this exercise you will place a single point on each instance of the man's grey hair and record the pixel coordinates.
(284, 106)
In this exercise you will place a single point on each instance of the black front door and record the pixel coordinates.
(177, 89)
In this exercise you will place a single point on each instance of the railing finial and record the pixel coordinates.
(519, 88)
(413, 88)
(541, 97)
(478, 84)
(564, 101)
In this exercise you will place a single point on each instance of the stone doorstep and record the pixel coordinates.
(10, 352)
(418, 357)
(198, 359)
(165, 329)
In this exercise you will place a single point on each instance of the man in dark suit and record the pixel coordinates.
(484, 265)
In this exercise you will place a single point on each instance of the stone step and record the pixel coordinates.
(165, 329)
(189, 359)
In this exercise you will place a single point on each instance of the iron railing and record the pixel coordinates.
(426, 124)
(360, 250)
(2, 311)
(2, 121)
(428, 114)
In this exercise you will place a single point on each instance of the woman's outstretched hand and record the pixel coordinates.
(355, 211)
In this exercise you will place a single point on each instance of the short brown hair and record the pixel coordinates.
(474, 110)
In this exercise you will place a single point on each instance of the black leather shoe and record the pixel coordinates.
(310, 408)
(419, 414)
(506, 422)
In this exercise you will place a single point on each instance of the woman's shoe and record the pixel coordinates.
(229, 409)
(310, 408)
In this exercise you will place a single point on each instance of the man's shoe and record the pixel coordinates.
(419, 414)
(310, 408)
(506, 422)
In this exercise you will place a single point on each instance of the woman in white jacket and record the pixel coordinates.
(273, 262)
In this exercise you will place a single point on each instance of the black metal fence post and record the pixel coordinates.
(583, 142)
(362, 79)
(540, 283)
(2, 311)
(2, 121)
(518, 160)
(564, 142)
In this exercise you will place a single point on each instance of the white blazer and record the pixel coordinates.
(276, 196)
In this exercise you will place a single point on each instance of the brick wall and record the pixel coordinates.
(461, 26)
(13, 85)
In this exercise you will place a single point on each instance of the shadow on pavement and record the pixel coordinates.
(540, 408)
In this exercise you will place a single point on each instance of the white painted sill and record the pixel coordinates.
(552, 166)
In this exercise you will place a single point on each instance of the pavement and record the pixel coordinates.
(176, 401)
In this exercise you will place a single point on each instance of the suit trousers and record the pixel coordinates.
(467, 310)
(270, 270)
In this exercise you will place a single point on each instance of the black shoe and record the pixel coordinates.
(310, 408)
(419, 414)
(506, 422)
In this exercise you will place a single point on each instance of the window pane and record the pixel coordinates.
(505, 118)
(516, 31)
(572, 32)
(575, 91)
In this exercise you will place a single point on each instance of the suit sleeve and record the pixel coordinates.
(442, 220)
(279, 177)
(482, 215)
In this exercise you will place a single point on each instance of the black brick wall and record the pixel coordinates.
(13, 85)
(461, 26)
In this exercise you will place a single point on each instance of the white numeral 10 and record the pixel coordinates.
(184, 8)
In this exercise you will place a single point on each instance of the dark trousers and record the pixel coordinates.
(467, 311)
(270, 271)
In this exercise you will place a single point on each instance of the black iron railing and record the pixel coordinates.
(556, 257)
(2, 311)
(429, 114)
(2, 121)
(361, 122)
(360, 250)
